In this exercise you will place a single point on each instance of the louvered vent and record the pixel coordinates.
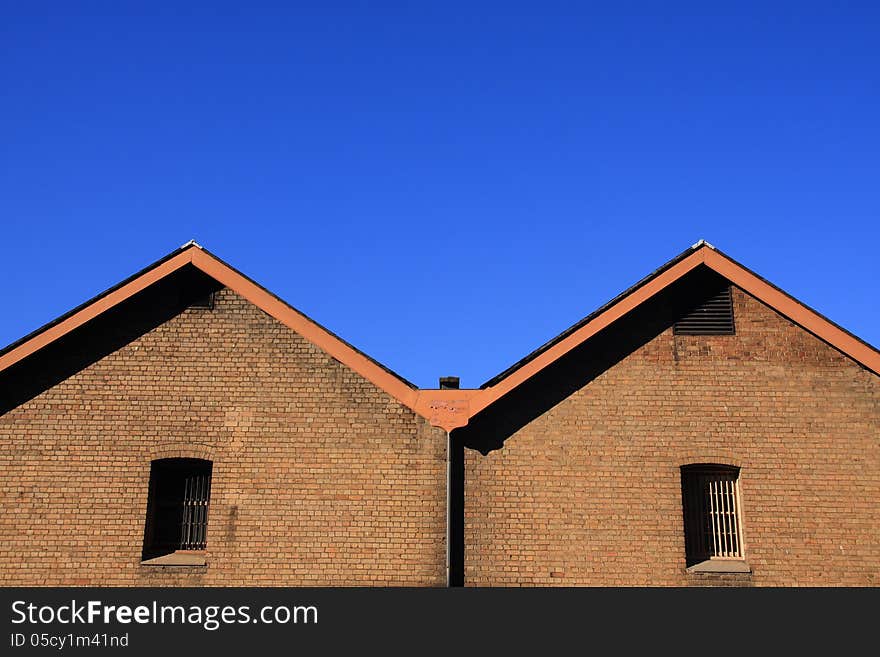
(714, 317)
(206, 302)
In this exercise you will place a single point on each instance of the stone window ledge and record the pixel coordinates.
(720, 566)
(178, 558)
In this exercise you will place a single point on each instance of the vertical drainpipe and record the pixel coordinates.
(448, 501)
(449, 383)
(456, 510)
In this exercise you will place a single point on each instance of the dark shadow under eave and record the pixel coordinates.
(101, 336)
(488, 430)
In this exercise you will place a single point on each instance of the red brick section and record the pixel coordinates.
(320, 478)
(589, 492)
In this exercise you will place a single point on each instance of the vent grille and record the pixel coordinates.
(206, 302)
(714, 317)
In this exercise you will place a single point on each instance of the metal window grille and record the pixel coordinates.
(194, 522)
(713, 525)
(713, 317)
(180, 492)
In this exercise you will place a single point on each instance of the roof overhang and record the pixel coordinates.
(698, 255)
(193, 254)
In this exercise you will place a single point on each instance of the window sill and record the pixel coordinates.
(178, 558)
(720, 566)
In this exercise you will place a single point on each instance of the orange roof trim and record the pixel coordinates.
(450, 409)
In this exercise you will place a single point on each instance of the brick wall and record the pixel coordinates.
(319, 477)
(588, 492)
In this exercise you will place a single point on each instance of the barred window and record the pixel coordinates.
(177, 509)
(712, 513)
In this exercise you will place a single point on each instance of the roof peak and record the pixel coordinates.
(703, 243)
(192, 243)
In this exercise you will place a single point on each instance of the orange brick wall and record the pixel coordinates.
(319, 477)
(589, 492)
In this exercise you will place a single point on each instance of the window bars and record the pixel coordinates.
(713, 525)
(177, 516)
(194, 521)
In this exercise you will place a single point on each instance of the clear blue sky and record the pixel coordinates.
(444, 186)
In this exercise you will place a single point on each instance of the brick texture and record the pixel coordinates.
(319, 477)
(588, 493)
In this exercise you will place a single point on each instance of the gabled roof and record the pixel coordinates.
(193, 254)
(701, 253)
(450, 409)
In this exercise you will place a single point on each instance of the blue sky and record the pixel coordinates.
(445, 185)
